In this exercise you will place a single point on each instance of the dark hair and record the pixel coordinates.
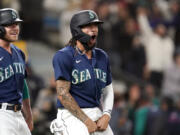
(168, 101)
(72, 42)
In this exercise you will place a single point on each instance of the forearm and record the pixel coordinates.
(108, 99)
(68, 101)
(27, 109)
(143, 22)
(28, 113)
(107, 105)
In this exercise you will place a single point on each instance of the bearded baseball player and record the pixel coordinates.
(83, 78)
(14, 97)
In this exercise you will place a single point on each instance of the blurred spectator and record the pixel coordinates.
(135, 61)
(171, 82)
(56, 5)
(119, 122)
(123, 30)
(144, 3)
(132, 5)
(44, 110)
(158, 45)
(141, 115)
(35, 83)
(155, 16)
(88, 4)
(174, 10)
(152, 95)
(105, 35)
(64, 19)
(171, 12)
(153, 114)
(133, 96)
(174, 120)
(126, 42)
(161, 125)
(123, 33)
(163, 6)
(33, 19)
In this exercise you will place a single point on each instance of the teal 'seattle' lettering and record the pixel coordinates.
(10, 70)
(84, 75)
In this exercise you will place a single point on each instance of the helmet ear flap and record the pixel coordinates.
(2, 32)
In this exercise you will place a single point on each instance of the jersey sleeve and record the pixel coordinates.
(62, 64)
(24, 59)
(22, 56)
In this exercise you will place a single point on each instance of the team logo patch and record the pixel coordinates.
(91, 15)
(14, 16)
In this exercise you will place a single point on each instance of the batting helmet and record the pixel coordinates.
(8, 16)
(80, 19)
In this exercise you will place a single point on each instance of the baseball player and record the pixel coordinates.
(83, 76)
(14, 97)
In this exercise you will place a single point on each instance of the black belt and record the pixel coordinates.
(14, 108)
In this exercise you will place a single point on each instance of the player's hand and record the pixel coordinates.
(91, 125)
(102, 122)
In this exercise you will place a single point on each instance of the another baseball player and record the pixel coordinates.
(82, 75)
(14, 96)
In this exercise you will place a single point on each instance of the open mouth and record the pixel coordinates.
(93, 37)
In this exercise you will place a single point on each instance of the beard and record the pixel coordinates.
(10, 39)
(91, 46)
(92, 43)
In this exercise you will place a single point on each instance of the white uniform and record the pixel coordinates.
(68, 124)
(12, 123)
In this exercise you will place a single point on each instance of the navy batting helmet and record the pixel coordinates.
(8, 16)
(80, 19)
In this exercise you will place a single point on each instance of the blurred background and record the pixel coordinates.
(142, 38)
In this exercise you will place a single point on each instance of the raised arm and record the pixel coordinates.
(143, 22)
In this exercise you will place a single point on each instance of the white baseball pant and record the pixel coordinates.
(12, 123)
(73, 126)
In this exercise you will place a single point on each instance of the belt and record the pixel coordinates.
(14, 108)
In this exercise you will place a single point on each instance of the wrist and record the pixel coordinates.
(107, 113)
(86, 121)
